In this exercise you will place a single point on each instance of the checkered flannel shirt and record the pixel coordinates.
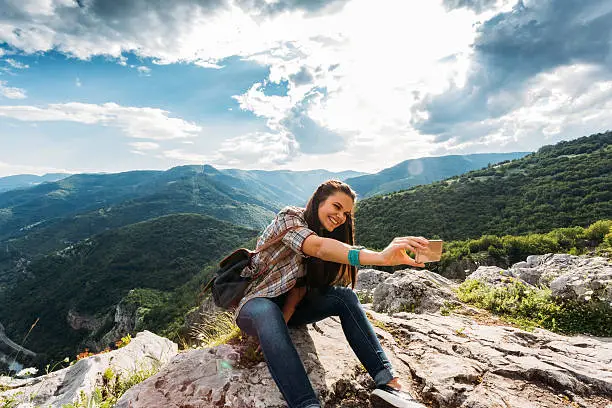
(277, 269)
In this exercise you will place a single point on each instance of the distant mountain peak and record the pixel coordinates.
(208, 169)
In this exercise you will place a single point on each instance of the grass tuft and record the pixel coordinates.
(217, 328)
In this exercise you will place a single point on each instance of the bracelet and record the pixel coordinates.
(353, 256)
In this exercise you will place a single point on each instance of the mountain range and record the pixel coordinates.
(28, 180)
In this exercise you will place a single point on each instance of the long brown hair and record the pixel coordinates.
(321, 273)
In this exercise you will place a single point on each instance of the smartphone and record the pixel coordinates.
(432, 253)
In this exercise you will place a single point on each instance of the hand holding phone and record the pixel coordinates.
(432, 253)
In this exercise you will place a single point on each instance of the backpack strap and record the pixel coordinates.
(273, 241)
(265, 246)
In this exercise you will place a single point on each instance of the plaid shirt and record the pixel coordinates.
(276, 269)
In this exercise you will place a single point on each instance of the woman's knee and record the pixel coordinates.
(259, 308)
(257, 312)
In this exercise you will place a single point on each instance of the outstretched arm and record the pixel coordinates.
(329, 249)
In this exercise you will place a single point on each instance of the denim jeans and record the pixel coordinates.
(263, 318)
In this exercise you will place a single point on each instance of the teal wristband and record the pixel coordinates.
(353, 256)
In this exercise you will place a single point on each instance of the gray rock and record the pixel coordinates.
(494, 276)
(568, 276)
(413, 290)
(125, 320)
(529, 275)
(218, 377)
(446, 361)
(522, 264)
(61, 387)
(369, 279)
(456, 362)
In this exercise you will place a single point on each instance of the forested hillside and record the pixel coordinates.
(567, 184)
(52, 216)
(90, 278)
(425, 170)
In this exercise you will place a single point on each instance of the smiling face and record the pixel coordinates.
(334, 210)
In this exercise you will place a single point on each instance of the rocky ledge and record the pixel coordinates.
(446, 361)
(466, 359)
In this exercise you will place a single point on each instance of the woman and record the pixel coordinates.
(315, 255)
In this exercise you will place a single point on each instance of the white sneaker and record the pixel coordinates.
(385, 396)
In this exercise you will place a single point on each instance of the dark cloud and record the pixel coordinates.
(118, 8)
(309, 6)
(515, 46)
(147, 27)
(476, 5)
(303, 77)
(312, 137)
(163, 9)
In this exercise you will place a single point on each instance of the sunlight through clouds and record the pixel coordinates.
(359, 83)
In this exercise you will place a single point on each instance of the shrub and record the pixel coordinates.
(530, 307)
(598, 230)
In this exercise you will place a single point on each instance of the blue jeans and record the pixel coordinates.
(263, 318)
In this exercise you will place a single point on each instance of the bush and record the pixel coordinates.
(532, 307)
(598, 230)
(608, 239)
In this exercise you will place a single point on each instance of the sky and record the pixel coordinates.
(117, 85)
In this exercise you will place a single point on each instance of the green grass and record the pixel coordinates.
(535, 307)
(114, 385)
(217, 328)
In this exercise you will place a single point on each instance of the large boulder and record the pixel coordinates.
(495, 276)
(413, 290)
(369, 279)
(146, 351)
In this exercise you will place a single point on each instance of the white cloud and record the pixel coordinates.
(11, 92)
(142, 123)
(184, 156)
(16, 64)
(250, 151)
(146, 71)
(259, 149)
(140, 146)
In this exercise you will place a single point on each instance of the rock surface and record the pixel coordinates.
(569, 277)
(457, 362)
(220, 376)
(55, 389)
(413, 291)
(126, 320)
(446, 361)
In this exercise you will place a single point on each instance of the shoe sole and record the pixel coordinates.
(386, 400)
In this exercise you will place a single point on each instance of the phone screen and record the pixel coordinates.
(433, 253)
